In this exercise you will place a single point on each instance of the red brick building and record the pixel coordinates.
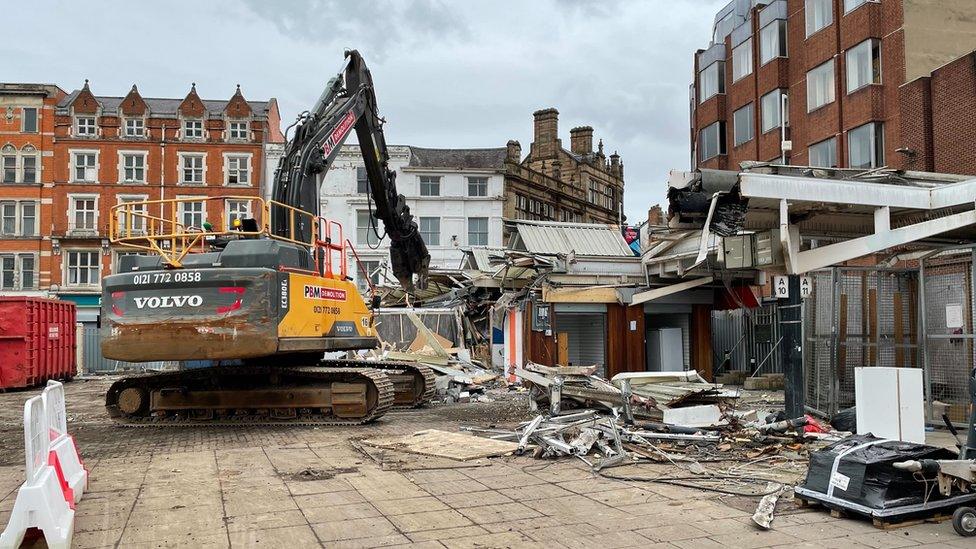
(938, 114)
(839, 67)
(100, 151)
(28, 163)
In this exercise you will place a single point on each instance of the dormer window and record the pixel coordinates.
(85, 126)
(193, 129)
(135, 127)
(238, 131)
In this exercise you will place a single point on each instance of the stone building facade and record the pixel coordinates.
(100, 151)
(838, 66)
(551, 183)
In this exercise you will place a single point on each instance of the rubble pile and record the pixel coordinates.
(460, 377)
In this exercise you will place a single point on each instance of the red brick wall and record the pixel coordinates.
(43, 141)
(876, 102)
(953, 123)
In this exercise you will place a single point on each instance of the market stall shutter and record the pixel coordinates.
(587, 335)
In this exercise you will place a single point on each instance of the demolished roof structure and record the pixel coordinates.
(849, 212)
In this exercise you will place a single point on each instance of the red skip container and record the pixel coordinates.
(37, 341)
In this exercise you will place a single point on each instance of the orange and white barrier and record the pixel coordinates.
(63, 454)
(56, 477)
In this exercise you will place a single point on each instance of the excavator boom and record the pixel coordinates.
(349, 103)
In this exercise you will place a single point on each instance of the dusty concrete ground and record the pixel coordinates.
(311, 487)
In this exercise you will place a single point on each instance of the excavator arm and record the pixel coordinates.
(348, 103)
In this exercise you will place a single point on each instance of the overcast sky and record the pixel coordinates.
(447, 73)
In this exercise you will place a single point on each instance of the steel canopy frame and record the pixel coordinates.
(791, 190)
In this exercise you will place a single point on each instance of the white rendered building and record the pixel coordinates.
(456, 196)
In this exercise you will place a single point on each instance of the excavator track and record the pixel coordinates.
(325, 394)
(413, 383)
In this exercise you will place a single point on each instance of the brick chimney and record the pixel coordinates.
(655, 216)
(514, 151)
(546, 143)
(581, 140)
(615, 165)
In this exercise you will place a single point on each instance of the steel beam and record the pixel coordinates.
(854, 192)
(799, 262)
(658, 293)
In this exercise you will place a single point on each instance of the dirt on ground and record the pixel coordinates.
(95, 431)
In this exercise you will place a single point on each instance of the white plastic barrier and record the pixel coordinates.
(63, 455)
(40, 502)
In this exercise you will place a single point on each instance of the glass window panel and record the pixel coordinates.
(863, 65)
(742, 60)
(744, 125)
(477, 231)
(27, 279)
(712, 140)
(430, 185)
(819, 14)
(29, 119)
(7, 272)
(712, 80)
(477, 186)
(824, 153)
(367, 227)
(820, 86)
(30, 168)
(772, 41)
(430, 230)
(362, 180)
(10, 168)
(8, 218)
(865, 146)
(28, 219)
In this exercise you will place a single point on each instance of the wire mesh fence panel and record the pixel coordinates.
(818, 348)
(856, 317)
(949, 352)
(747, 340)
(728, 340)
(765, 340)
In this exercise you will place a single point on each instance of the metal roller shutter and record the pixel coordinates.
(587, 336)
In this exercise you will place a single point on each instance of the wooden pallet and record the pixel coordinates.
(882, 523)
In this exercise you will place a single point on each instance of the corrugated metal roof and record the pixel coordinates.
(542, 237)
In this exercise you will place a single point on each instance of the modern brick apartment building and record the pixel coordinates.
(99, 151)
(579, 185)
(841, 68)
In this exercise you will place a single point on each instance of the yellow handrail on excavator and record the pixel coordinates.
(131, 225)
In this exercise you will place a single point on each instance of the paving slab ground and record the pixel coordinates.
(251, 487)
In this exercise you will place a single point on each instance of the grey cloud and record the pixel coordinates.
(447, 73)
(380, 25)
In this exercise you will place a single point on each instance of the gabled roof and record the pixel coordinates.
(493, 158)
(546, 237)
(162, 107)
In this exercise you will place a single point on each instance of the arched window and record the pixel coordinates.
(8, 159)
(29, 164)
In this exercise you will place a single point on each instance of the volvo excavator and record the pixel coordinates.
(258, 303)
